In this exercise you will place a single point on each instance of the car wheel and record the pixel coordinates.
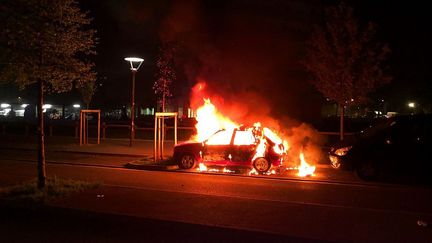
(367, 170)
(261, 165)
(187, 161)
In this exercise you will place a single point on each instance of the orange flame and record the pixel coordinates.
(202, 167)
(305, 169)
(209, 121)
(253, 172)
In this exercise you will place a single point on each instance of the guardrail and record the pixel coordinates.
(27, 127)
(336, 133)
(105, 126)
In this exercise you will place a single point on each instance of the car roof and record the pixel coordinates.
(425, 119)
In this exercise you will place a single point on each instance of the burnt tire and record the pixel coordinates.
(367, 170)
(186, 161)
(261, 165)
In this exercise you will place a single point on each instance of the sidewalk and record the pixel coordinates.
(115, 147)
(140, 148)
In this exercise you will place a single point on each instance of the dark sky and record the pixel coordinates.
(405, 27)
(248, 50)
(244, 50)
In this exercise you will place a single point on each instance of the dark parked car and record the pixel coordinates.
(241, 147)
(398, 147)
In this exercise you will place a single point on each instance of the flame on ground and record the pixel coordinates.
(253, 172)
(305, 169)
(202, 167)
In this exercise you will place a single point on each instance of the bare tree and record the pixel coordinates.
(344, 58)
(47, 43)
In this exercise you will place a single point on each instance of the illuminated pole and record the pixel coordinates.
(132, 125)
(134, 61)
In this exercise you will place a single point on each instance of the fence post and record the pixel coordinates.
(103, 130)
(76, 129)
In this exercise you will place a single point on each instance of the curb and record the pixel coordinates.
(155, 167)
(80, 152)
(102, 153)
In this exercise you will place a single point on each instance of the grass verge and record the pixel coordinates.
(55, 188)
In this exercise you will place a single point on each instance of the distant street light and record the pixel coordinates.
(411, 105)
(135, 63)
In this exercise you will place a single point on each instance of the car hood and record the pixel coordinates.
(185, 143)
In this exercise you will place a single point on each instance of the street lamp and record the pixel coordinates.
(135, 63)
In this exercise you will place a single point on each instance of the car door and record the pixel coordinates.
(242, 149)
(402, 148)
(216, 148)
(424, 143)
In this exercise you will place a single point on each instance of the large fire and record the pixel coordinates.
(210, 120)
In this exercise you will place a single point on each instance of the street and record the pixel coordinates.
(215, 121)
(292, 207)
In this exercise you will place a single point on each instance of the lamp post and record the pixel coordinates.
(135, 63)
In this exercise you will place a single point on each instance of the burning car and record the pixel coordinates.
(398, 147)
(249, 147)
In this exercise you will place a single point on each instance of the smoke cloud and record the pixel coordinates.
(246, 60)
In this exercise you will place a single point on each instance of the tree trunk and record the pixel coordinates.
(342, 114)
(41, 139)
(163, 123)
(163, 103)
(163, 95)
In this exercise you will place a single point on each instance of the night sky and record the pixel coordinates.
(248, 50)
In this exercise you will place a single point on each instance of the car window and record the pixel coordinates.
(401, 132)
(222, 137)
(244, 138)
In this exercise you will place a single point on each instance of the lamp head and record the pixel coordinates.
(135, 62)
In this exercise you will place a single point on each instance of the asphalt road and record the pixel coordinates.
(284, 207)
(323, 172)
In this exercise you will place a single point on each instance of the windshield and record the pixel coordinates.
(222, 137)
(378, 128)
